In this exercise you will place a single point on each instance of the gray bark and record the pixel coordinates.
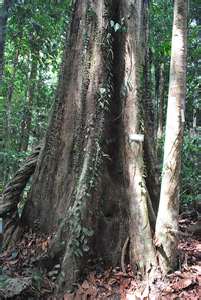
(142, 253)
(167, 223)
(161, 102)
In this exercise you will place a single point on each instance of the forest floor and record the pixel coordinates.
(22, 278)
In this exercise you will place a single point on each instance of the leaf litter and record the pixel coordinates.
(22, 276)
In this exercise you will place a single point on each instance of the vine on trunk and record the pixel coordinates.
(94, 135)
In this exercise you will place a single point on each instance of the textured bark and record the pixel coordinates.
(91, 171)
(8, 101)
(27, 117)
(11, 196)
(141, 244)
(152, 174)
(167, 223)
(77, 183)
(161, 102)
(4, 7)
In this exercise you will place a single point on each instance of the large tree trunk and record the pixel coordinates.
(167, 223)
(77, 186)
(141, 244)
(91, 171)
(91, 174)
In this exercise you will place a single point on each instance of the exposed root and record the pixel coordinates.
(123, 254)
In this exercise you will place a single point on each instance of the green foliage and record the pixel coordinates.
(35, 37)
(193, 100)
(120, 27)
(159, 42)
(160, 26)
(160, 30)
(190, 167)
(191, 174)
(3, 281)
(37, 279)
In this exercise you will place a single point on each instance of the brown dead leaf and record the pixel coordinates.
(196, 269)
(72, 296)
(183, 284)
(112, 281)
(44, 245)
(130, 296)
(168, 290)
(92, 278)
(120, 274)
(189, 296)
(85, 285)
(92, 291)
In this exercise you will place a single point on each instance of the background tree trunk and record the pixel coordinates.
(161, 102)
(4, 7)
(27, 117)
(167, 223)
(8, 102)
(150, 155)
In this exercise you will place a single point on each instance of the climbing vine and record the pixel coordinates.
(90, 167)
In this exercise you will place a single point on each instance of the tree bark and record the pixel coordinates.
(4, 7)
(8, 101)
(167, 223)
(27, 117)
(89, 186)
(161, 102)
(77, 186)
(142, 253)
(150, 157)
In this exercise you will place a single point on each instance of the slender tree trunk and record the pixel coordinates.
(142, 253)
(8, 101)
(150, 157)
(4, 6)
(161, 102)
(167, 223)
(27, 118)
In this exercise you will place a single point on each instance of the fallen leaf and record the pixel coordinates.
(112, 281)
(69, 296)
(183, 284)
(85, 285)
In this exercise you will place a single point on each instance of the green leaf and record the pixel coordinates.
(117, 26)
(112, 23)
(102, 91)
(88, 232)
(85, 248)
